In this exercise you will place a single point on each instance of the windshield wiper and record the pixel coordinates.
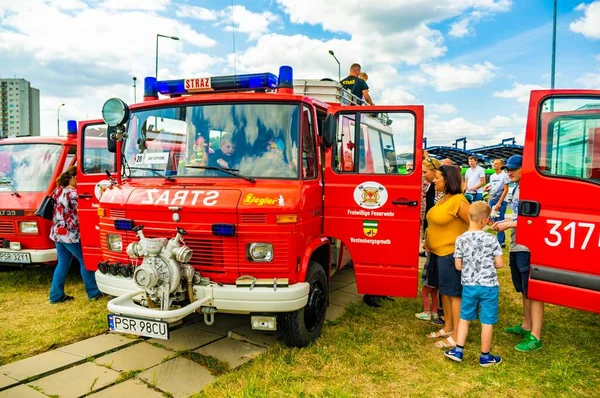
(233, 172)
(12, 187)
(155, 171)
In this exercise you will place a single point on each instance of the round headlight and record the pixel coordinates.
(115, 112)
(262, 252)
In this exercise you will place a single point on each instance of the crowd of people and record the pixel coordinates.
(462, 257)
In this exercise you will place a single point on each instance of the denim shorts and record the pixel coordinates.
(448, 276)
(484, 297)
(520, 263)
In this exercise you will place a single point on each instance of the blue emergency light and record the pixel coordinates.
(123, 225)
(286, 77)
(223, 229)
(71, 126)
(255, 81)
(150, 89)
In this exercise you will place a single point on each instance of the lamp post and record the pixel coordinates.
(58, 119)
(339, 67)
(553, 47)
(134, 90)
(157, 36)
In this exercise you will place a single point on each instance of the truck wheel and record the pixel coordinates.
(302, 327)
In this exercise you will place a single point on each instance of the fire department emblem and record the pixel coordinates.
(370, 195)
(370, 228)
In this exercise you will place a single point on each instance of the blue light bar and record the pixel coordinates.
(150, 87)
(71, 126)
(124, 225)
(255, 81)
(223, 229)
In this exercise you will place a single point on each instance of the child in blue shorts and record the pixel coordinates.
(478, 254)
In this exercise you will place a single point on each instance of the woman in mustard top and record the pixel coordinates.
(447, 220)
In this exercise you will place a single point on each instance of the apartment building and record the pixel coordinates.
(19, 108)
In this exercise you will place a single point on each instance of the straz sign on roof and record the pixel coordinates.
(198, 84)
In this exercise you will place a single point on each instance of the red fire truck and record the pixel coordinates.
(560, 190)
(244, 194)
(29, 167)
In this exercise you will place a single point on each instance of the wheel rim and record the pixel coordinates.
(315, 308)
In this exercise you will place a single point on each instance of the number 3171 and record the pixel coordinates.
(573, 229)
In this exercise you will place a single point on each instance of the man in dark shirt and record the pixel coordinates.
(357, 86)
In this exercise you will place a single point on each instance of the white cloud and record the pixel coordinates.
(589, 24)
(460, 28)
(383, 16)
(447, 77)
(147, 5)
(245, 21)
(396, 96)
(590, 80)
(520, 92)
(440, 108)
(200, 13)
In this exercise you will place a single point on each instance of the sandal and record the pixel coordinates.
(448, 343)
(438, 334)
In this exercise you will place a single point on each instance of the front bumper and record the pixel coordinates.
(225, 298)
(37, 256)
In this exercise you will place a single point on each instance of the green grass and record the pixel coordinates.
(30, 325)
(384, 353)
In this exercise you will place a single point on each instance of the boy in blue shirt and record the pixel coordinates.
(477, 255)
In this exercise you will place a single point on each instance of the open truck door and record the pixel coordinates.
(371, 203)
(559, 211)
(93, 160)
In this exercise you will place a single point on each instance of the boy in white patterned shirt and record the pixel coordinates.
(477, 255)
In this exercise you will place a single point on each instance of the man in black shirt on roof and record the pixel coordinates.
(357, 86)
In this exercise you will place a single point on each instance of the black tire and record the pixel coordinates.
(302, 327)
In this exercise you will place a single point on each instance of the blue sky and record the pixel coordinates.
(471, 63)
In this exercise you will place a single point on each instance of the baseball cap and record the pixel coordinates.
(513, 162)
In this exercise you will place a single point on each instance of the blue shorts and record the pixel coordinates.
(483, 297)
(448, 276)
(520, 263)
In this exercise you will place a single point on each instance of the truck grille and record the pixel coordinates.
(253, 218)
(212, 254)
(117, 213)
(7, 228)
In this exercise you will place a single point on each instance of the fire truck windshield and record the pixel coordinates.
(257, 140)
(27, 167)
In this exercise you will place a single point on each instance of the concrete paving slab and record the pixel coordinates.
(351, 289)
(96, 345)
(130, 388)
(259, 337)
(76, 381)
(179, 377)
(139, 356)
(341, 298)
(6, 381)
(334, 312)
(187, 338)
(223, 324)
(21, 391)
(231, 351)
(336, 285)
(346, 275)
(39, 364)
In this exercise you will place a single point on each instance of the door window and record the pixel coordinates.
(96, 157)
(385, 143)
(309, 169)
(569, 141)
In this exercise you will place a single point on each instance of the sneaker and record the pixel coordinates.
(489, 360)
(529, 343)
(454, 355)
(437, 320)
(63, 299)
(517, 330)
(424, 316)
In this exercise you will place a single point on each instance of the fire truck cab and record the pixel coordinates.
(244, 194)
(559, 216)
(29, 167)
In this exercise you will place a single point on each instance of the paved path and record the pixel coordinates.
(113, 365)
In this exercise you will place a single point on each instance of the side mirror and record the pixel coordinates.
(329, 130)
(111, 144)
